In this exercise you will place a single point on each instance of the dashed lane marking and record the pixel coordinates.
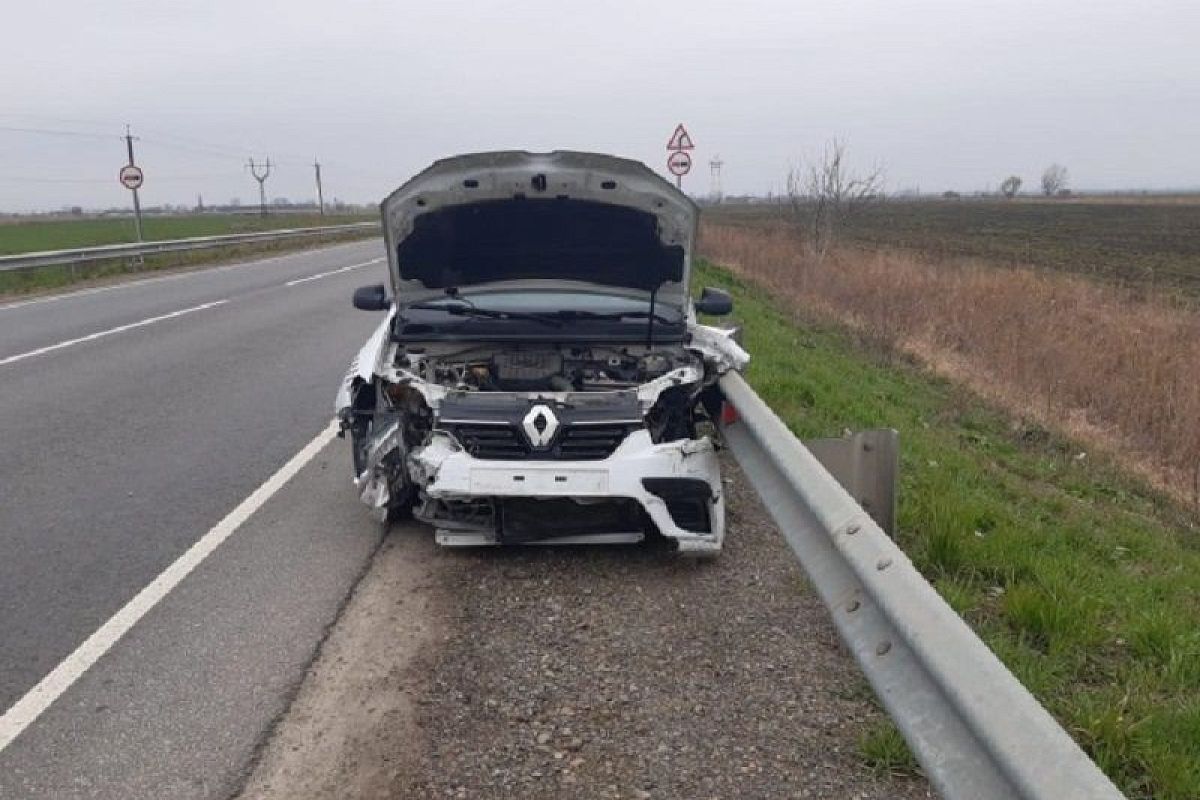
(109, 332)
(320, 275)
(25, 711)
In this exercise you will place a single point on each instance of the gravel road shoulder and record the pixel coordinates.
(581, 672)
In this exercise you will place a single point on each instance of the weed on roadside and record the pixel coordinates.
(885, 751)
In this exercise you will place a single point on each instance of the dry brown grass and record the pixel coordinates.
(1119, 371)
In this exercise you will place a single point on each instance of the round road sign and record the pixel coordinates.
(679, 162)
(131, 177)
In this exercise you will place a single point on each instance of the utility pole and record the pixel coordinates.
(715, 167)
(137, 205)
(320, 196)
(262, 183)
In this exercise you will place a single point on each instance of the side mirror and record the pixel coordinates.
(371, 298)
(714, 302)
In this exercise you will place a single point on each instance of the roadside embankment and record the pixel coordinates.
(1084, 580)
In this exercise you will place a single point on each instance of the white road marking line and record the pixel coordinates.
(320, 275)
(127, 284)
(85, 292)
(109, 332)
(143, 281)
(25, 711)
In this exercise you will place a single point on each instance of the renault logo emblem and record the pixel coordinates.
(540, 425)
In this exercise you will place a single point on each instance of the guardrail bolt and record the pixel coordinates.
(883, 648)
(883, 564)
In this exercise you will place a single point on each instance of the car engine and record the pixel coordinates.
(539, 369)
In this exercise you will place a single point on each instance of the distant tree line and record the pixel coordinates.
(1054, 183)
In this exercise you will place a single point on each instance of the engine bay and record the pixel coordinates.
(544, 368)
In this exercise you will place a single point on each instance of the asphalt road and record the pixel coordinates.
(133, 418)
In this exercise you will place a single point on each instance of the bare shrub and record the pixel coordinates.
(1104, 364)
(828, 192)
(1054, 180)
(1010, 186)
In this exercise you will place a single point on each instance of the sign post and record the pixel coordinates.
(131, 178)
(679, 162)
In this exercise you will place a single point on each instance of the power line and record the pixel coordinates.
(107, 123)
(176, 142)
(157, 178)
(226, 150)
(216, 151)
(211, 152)
(29, 179)
(53, 132)
(159, 139)
(172, 141)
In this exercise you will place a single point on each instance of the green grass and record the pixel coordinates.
(1082, 580)
(886, 752)
(62, 234)
(1130, 242)
(65, 234)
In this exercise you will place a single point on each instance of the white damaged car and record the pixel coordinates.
(540, 375)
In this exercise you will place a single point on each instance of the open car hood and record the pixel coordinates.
(542, 219)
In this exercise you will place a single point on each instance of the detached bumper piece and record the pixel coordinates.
(671, 487)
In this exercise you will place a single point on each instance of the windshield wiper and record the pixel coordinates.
(463, 309)
(568, 313)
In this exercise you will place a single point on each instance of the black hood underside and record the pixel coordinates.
(538, 239)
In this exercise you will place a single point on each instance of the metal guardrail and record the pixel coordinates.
(78, 255)
(976, 731)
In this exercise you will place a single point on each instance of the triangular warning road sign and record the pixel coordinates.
(680, 139)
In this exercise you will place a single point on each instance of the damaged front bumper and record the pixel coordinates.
(676, 484)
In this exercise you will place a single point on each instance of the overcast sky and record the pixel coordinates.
(945, 95)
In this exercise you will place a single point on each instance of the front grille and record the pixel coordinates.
(590, 442)
(494, 442)
(507, 442)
